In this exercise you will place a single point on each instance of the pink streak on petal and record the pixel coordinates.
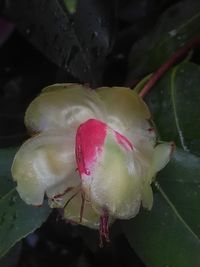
(122, 140)
(90, 138)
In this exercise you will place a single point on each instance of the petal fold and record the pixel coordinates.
(126, 110)
(45, 164)
(162, 155)
(113, 178)
(63, 106)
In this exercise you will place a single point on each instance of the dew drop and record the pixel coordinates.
(28, 31)
(172, 33)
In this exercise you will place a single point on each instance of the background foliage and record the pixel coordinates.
(103, 43)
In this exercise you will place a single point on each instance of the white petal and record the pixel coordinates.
(63, 106)
(162, 154)
(72, 202)
(113, 181)
(72, 213)
(127, 112)
(45, 164)
(161, 157)
(147, 196)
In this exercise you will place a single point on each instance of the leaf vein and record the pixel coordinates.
(169, 202)
(173, 97)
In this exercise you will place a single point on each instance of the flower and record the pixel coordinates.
(92, 153)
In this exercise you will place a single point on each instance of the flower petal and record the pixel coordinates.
(147, 196)
(126, 110)
(63, 106)
(45, 164)
(72, 212)
(111, 177)
(73, 202)
(162, 154)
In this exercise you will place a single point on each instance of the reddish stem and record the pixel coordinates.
(104, 228)
(82, 206)
(179, 54)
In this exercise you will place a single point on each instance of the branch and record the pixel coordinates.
(178, 55)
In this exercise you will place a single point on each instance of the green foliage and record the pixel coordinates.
(74, 47)
(16, 218)
(170, 234)
(71, 5)
(176, 27)
(174, 102)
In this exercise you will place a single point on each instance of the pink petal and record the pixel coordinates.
(90, 138)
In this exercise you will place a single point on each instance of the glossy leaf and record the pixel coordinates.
(177, 115)
(94, 25)
(6, 158)
(16, 218)
(72, 45)
(169, 235)
(176, 26)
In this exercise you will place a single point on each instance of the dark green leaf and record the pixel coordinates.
(12, 257)
(176, 26)
(94, 24)
(70, 44)
(174, 102)
(71, 5)
(16, 218)
(6, 183)
(169, 235)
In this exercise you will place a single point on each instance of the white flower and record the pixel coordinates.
(93, 153)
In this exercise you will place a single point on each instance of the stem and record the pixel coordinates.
(104, 228)
(178, 55)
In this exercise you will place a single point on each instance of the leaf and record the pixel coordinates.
(16, 218)
(12, 257)
(6, 157)
(176, 26)
(177, 115)
(95, 24)
(71, 5)
(169, 235)
(72, 45)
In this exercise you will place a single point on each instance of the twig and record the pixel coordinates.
(179, 54)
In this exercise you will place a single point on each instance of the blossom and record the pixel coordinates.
(92, 153)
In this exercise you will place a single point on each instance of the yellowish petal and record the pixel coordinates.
(72, 203)
(61, 86)
(62, 107)
(147, 196)
(45, 164)
(126, 110)
(162, 154)
(161, 157)
(111, 175)
(72, 212)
